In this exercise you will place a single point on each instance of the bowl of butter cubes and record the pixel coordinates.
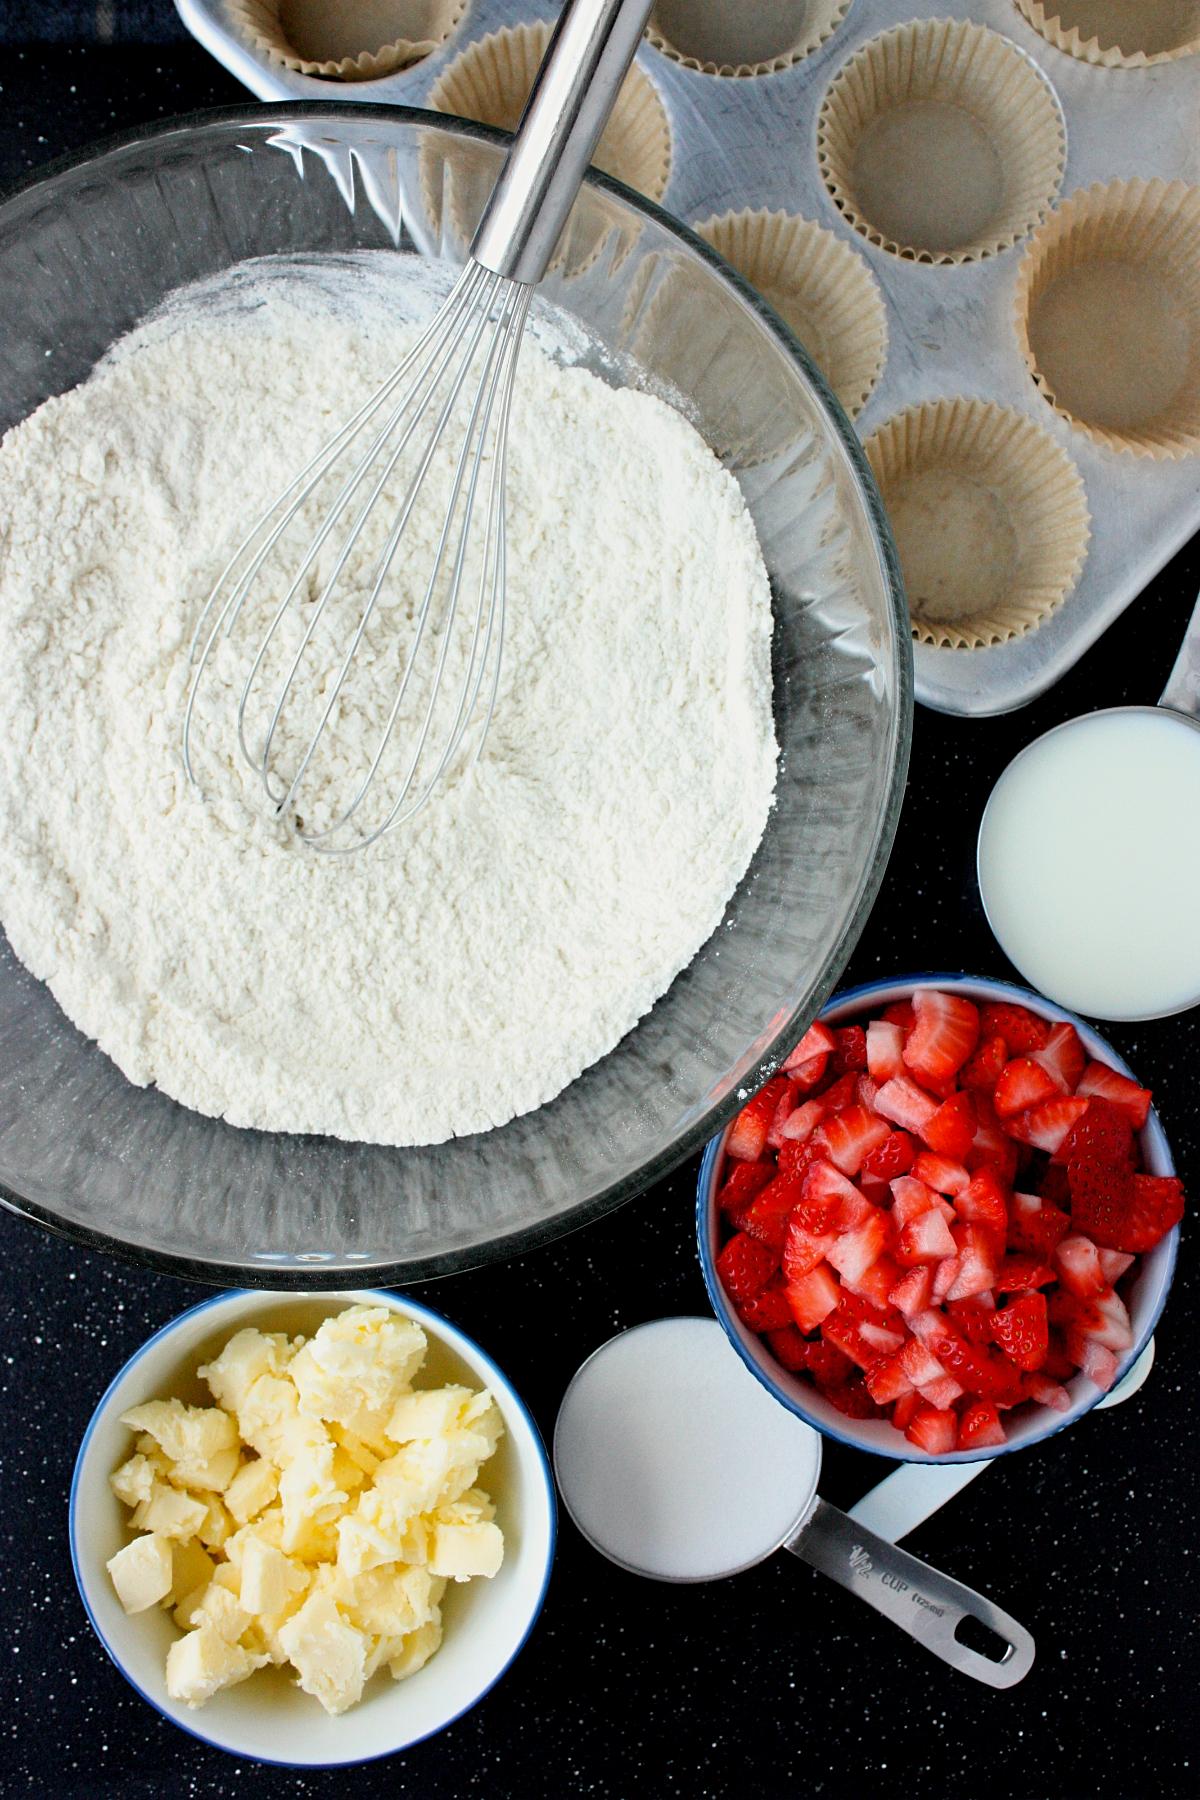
(312, 1529)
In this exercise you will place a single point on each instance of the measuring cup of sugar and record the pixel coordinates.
(675, 1463)
(1089, 855)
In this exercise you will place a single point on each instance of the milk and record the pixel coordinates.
(1089, 863)
(674, 1460)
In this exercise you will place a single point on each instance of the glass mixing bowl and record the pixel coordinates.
(86, 251)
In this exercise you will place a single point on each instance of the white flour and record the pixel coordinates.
(470, 965)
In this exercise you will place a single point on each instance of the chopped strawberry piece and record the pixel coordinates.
(783, 1112)
(990, 1377)
(810, 1074)
(983, 1069)
(841, 1331)
(1114, 1263)
(1035, 1225)
(925, 1239)
(940, 1173)
(1063, 1057)
(905, 1104)
(1046, 1126)
(1157, 1208)
(876, 1283)
(1104, 1320)
(818, 1040)
(827, 1366)
(788, 1347)
(919, 1363)
(861, 1310)
(991, 1145)
(885, 1050)
(1023, 1270)
(854, 1400)
(1097, 1363)
(951, 1130)
(745, 1181)
(1078, 1266)
(945, 1275)
(1048, 1392)
(856, 1250)
(795, 1158)
(904, 1409)
(980, 1427)
(933, 1431)
(822, 1181)
(944, 1035)
(943, 1393)
(767, 1215)
(1021, 1030)
(1022, 1332)
(801, 1122)
(865, 1092)
(748, 1136)
(979, 1256)
(1102, 1135)
(850, 1048)
(817, 1214)
(804, 1250)
(768, 1310)
(982, 1202)
(1058, 1365)
(1133, 1101)
(901, 1013)
(972, 1318)
(913, 1294)
(813, 1296)
(852, 1213)
(1022, 1084)
(850, 1135)
(1064, 1309)
(745, 1267)
(840, 1093)
(893, 1155)
(1101, 1200)
(910, 1198)
(887, 1381)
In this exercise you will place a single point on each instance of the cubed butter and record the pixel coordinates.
(141, 1572)
(253, 1487)
(201, 1663)
(461, 1551)
(363, 1358)
(328, 1654)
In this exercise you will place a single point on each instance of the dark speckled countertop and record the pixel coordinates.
(773, 1683)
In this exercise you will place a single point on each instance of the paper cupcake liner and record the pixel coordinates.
(798, 27)
(1152, 31)
(490, 82)
(941, 142)
(819, 286)
(306, 35)
(989, 515)
(1108, 315)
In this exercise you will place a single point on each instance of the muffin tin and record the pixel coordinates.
(797, 123)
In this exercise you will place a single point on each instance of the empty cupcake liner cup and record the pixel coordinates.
(941, 142)
(490, 82)
(989, 515)
(1114, 34)
(821, 289)
(719, 39)
(1108, 315)
(343, 40)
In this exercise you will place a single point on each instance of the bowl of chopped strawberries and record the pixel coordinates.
(947, 1226)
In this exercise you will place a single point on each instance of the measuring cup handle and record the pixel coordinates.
(922, 1601)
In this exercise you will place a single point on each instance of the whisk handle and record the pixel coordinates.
(572, 96)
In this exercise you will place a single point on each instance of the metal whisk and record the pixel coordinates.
(329, 641)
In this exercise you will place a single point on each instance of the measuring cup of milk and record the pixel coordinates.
(1089, 855)
(675, 1463)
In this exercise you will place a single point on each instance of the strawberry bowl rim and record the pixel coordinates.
(877, 1436)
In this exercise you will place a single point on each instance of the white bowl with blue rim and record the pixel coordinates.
(1026, 1425)
(266, 1717)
